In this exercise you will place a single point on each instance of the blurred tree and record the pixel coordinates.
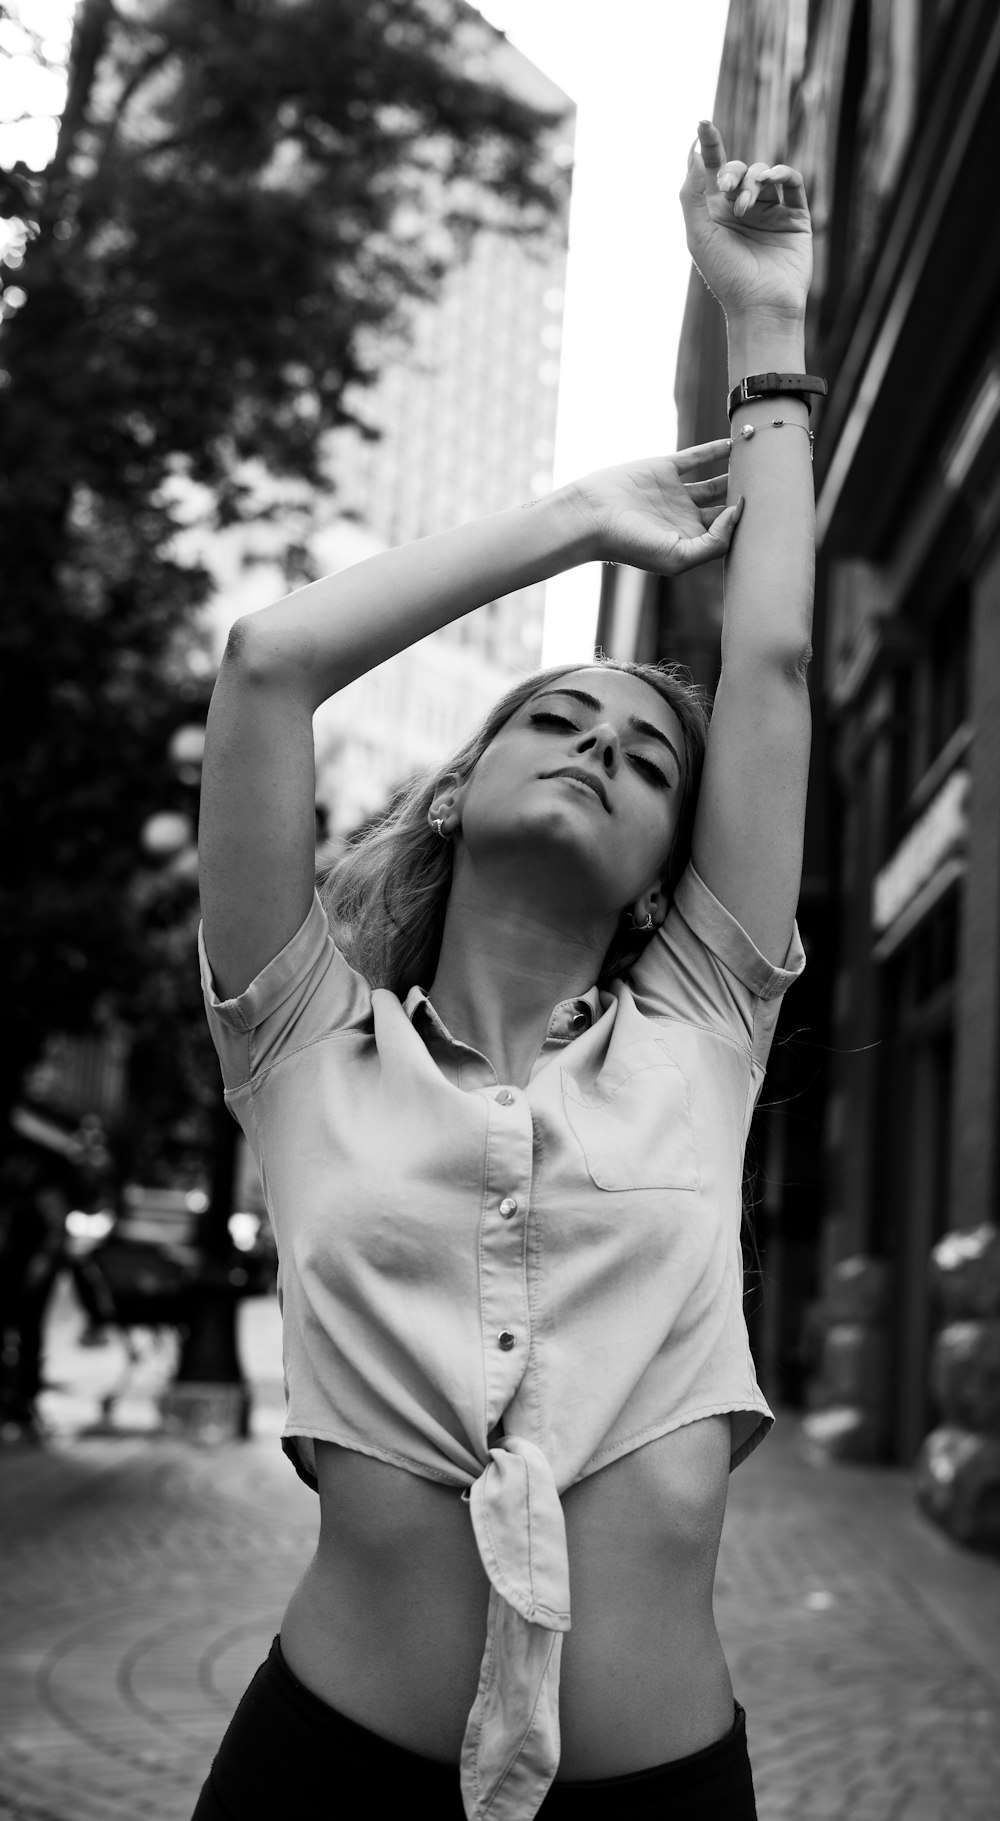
(172, 1117)
(244, 196)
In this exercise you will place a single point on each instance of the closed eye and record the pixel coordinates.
(544, 717)
(553, 720)
(651, 771)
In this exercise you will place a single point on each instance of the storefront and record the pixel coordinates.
(884, 1138)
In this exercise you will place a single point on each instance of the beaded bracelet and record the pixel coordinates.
(777, 423)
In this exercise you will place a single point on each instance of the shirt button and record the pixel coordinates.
(505, 1340)
(505, 1098)
(508, 1207)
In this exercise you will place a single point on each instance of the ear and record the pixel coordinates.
(651, 903)
(446, 804)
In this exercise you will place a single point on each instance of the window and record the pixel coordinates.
(935, 948)
(846, 168)
(901, 756)
(930, 700)
(949, 670)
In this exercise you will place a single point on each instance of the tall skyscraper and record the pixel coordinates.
(467, 417)
(465, 410)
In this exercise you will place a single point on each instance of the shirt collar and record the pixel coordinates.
(570, 1018)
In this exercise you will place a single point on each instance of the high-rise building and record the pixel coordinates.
(464, 412)
(466, 418)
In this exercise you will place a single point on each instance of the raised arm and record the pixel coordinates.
(256, 836)
(750, 236)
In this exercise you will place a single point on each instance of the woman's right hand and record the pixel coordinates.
(647, 514)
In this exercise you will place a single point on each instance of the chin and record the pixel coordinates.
(565, 829)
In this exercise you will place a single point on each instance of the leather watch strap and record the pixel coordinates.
(768, 385)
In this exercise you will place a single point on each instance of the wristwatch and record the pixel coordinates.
(767, 385)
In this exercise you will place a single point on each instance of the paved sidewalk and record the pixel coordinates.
(143, 1580)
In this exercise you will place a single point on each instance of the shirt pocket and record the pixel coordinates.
(633, 1122)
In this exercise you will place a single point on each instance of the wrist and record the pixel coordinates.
(760, 344)
(578, 523)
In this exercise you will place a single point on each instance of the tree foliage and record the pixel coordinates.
(245, 197)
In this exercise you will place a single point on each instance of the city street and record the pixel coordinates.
(143, 1580)
(330, 337)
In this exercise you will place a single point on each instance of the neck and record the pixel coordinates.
(504, 965)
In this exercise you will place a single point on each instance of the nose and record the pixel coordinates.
(602, 741)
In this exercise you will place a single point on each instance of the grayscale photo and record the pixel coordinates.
(500, 808)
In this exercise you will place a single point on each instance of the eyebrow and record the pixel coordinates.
(637, 725)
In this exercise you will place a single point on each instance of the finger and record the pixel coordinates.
(692, 192)
(790, 185)
(731, 176)
(751, 187)
(712, 149)
(691, 551)
(707, 493)
(700, 453)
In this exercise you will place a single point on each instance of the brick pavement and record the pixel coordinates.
(143, 1579)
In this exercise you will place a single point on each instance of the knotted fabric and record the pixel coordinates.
(511, 1747)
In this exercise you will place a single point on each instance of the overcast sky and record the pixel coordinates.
(642, 73)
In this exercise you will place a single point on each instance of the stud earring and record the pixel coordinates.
(437, 824)
(647, 922)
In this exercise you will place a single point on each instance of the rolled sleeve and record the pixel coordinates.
(728, 941)
(703, 968)
(304, 992)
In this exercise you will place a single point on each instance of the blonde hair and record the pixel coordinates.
(386, 897)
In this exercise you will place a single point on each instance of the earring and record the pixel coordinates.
(437, 824)
(647, 922)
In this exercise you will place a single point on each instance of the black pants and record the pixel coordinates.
(288, 1756)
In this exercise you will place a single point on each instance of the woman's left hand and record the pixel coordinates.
(647, 514)
(748, 230)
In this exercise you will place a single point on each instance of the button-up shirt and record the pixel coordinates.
(455, 1251)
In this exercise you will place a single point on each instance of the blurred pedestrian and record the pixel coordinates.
(498, 1079)
(34, 1203)
(97, 1193)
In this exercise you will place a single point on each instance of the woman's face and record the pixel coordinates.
(610, 826)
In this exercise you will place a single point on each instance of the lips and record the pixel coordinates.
(582, 777)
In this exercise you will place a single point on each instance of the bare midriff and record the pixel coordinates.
(389, 1621)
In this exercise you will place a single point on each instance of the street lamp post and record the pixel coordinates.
(209, 1398)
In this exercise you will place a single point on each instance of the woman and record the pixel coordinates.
(501, 1129)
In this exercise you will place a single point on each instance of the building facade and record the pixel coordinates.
(886, 1148)
(466, 416)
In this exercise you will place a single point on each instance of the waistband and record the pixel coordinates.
(348, 1735)
(389, 1763)
(723, 1766)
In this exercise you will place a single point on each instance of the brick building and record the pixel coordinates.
(887, 1064)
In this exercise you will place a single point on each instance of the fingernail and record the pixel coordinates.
(727, 182)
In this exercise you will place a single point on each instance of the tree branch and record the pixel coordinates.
(90, 37)
(153, 62)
